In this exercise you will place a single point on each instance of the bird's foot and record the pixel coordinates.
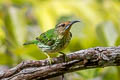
(50, 60)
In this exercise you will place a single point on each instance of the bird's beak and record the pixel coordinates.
(71, 23)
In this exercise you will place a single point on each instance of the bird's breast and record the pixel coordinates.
(61, 44)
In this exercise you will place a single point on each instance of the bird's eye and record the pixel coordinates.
(62, 25)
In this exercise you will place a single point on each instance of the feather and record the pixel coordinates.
(31, 42)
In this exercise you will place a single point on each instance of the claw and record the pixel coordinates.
(50, 60)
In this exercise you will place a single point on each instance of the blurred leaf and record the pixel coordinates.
(15, 26)
(111, 33)
(93, 73)
(72, 47)
(5, 59)
(30, 52)
(101, 34)
(110, 74)
(2, 33)
(107, 34)
(117, 41)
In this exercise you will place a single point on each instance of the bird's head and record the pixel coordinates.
(64, 27)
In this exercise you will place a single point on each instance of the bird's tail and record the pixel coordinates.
(31, 42)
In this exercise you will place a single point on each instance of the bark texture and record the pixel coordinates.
(97, 57)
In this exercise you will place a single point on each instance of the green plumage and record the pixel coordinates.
(31, 42)
(50, 42)
(54, 40)
(47, 38)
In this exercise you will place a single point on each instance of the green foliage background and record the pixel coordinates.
(23, 20)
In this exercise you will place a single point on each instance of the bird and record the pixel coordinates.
(55, 39)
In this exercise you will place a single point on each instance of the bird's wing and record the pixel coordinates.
(47, 38)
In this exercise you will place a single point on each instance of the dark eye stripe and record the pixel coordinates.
(62, 25)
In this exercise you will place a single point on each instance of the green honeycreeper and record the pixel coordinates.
(54, 40)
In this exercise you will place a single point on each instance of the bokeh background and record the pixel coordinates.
(23, 20)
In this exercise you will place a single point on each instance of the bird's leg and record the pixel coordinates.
(49, 58)
(64, 56)
(64, 61)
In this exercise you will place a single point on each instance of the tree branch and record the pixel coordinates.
(97, 57)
